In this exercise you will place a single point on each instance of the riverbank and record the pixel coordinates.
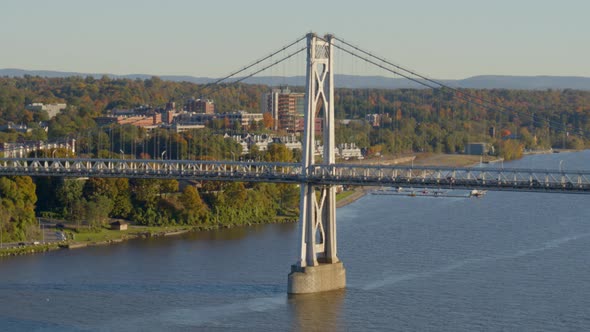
(350, 196)
(90, 239)
(531, 152)
(104, 237)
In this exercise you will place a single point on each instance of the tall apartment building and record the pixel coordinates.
(285, 106)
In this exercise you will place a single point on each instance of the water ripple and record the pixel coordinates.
(472, 261)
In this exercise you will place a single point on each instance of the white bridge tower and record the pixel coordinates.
(318, 267)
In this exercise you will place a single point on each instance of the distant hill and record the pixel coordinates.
(349, 81)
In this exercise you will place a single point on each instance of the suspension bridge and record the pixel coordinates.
(318, 267)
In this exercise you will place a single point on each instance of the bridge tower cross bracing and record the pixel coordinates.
(318, 267)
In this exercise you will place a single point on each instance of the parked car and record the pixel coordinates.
(60, 236)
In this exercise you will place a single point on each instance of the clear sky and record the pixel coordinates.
(440, 38)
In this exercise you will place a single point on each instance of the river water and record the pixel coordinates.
(507, 261)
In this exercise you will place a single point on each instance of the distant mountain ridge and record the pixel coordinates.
(350, 81)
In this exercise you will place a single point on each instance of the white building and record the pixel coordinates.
(345, 151)
(263, 141)
(349, 150)
(51, 109)
(23, 150)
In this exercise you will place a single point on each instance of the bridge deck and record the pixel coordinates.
(538, 180)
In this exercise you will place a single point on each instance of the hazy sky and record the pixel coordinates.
(442, 39)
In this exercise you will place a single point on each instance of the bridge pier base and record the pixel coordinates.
(314, 279)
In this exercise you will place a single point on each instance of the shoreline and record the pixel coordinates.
(51, 246)
(358, 193)
(457, 160)
(137, 234)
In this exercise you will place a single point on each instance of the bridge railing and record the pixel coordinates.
(345, 174)
(144, 168)
(453, 177)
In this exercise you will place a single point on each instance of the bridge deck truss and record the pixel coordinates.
(539, 180)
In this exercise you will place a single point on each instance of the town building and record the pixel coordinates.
(477, 149)
(245, 119)
(143, 116)
(204, 106)
(48, 149)
(51, 109)
(179, 127)
(374, 120)
(247, 141)
(349, 151)
(119, 225)
(262, 142)
(19, 128)
(290, 141)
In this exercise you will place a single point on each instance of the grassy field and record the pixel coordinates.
(109, 235)
(428, 159)
(100, 236)
(344, 195)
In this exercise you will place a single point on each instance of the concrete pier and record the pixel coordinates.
(314, 279)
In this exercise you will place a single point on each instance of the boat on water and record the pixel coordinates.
(477, 193)
(420, 192)
(412, 192)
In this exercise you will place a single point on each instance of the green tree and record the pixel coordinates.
(69, 193)
(115, 189)
(98, 210)
(278, 153)
(17, 199)
(145, 191)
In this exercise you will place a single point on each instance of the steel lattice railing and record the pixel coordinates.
(337, 174)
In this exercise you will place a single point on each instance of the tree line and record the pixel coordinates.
(436, 120)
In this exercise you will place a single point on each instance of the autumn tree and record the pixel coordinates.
(194, 211)
(17, 207)
(268, 120)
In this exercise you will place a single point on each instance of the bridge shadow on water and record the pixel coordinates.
(318, 312)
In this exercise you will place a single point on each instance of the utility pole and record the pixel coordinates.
(41, 229)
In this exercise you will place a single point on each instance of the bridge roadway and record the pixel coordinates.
(536, 180)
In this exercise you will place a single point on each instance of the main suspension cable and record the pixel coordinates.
(471, 98)
(270, 65)
(258, 61)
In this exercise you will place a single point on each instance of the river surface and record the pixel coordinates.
(504, 262)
